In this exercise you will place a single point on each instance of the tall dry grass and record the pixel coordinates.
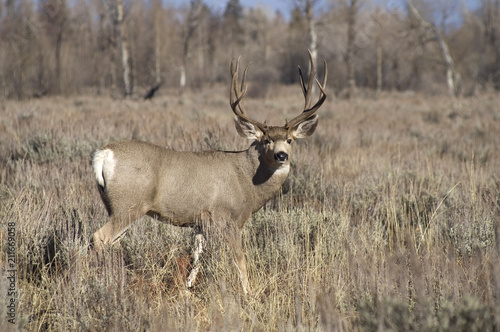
(389, 220)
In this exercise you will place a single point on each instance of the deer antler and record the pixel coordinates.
(307, 90)
(239, 92)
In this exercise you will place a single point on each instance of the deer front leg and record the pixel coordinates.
(199, 243)
(239, 260)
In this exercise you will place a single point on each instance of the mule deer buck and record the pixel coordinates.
(138, 178)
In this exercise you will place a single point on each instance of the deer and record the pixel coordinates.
(191, 189)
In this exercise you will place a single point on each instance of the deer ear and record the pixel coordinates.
(306, 128)
(246, 129)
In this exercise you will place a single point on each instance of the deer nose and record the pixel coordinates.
(281, 156)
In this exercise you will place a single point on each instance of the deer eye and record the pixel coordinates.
(289, 141)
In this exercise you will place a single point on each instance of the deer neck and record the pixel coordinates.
(266, 179)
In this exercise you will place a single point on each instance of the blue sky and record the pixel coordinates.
(285, 6)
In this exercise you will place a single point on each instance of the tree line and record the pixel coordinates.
(130, 48)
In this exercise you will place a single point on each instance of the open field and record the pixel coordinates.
(390, 220)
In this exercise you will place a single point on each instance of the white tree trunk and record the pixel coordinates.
(379, 67)
(182, 79)
(351, 38)
(453, 78)
(122, 30)
(311, 29)
(157, 43)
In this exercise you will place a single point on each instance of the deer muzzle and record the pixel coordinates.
(281, 157)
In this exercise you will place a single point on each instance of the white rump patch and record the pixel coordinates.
(104, 166)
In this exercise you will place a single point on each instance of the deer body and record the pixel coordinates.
(169, 184)
(137, 178)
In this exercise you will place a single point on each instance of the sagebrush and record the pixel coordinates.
(389, 220)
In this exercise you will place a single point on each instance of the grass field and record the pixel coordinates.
(390, 219)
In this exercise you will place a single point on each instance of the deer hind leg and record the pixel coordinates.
(115, 228)
(110, 233)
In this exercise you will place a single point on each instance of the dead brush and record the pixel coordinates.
(384, 237)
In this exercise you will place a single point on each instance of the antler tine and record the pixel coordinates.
(239, 93)
(322, 92)
(307, 90)
(235, 89)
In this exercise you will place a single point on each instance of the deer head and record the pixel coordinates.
(274, 142)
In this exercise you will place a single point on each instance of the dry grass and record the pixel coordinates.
(389, 221)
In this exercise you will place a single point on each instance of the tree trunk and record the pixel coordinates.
(351, 37)
(58, 82)
(157, 42)
(182, 79)
(453, 78)
(311, 30)
(157, 62)
(194, 19)
(122, 31)
(23, 58)
(379, 66)
(185, 55)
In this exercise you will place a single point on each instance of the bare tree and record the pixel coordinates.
(312, 37)
(123, 37)
(157, 30)
(446, 9)
(45, 43)
(233, 29)
(54, 17)
(348, 12)
(379, 63)
(490, 14)
(453, 78)
(106, 45)
(381, 32)
(352, 11)
(311, 31)
(18, 40)
(194, 18)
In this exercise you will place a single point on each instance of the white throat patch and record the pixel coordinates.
(283, 170)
